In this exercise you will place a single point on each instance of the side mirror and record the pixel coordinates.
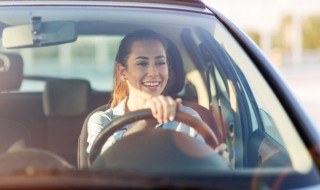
(267, 119)
(270, 126)
(39, 34)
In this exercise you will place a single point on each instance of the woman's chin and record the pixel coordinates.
(151, 92)
(148, 95)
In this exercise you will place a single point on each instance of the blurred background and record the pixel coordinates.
(288, 32)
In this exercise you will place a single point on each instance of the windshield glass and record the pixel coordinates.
(64, 80)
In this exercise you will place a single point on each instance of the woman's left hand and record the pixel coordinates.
(163, 108)
(222, 149)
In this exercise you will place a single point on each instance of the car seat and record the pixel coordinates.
(65, 104)
(13, 134)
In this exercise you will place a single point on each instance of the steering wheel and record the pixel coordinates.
(201, 127)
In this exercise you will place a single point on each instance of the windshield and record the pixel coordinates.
(61, 72)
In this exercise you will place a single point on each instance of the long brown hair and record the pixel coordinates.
(121, 89)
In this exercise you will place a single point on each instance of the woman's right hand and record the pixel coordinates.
(163, 108)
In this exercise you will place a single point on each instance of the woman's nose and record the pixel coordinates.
(152, 70)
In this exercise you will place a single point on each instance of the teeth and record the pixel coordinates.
(151, 83)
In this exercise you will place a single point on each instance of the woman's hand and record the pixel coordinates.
(163, 108)
(222, 149)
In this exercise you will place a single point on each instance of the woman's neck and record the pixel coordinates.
(133, 104)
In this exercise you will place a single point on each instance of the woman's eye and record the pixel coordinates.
(161, 63)
(143, 63)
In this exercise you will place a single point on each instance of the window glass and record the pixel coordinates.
(275, 121)
(90, 57)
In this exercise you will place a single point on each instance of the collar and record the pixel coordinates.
(120, 108)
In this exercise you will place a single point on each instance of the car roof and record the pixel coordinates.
(196, 6)
(188, 3)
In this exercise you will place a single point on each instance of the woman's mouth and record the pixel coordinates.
(151, 84)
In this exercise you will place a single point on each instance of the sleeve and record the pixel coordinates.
(96, 124)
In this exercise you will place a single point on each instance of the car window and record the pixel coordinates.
(91, 58)
(258, 95)
(67, 83)
(238, 87)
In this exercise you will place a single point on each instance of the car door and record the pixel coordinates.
(248, 129)
(251, 133)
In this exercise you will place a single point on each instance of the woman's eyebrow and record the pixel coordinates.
(146, 58)
(142, 57)
(160, 57)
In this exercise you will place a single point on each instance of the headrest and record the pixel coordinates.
(11, 71)
(66, 97)
(177, 76)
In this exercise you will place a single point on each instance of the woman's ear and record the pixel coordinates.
(121, 73)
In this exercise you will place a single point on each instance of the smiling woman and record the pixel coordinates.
(141, 75)
(166, 89)
(139, 53)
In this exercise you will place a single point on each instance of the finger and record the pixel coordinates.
(165, 108)
(178, 103)
(159, 109)
(151, 105)
(221, 147)
(172, 109)
(225, 155)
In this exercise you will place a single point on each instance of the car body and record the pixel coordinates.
(57, 60)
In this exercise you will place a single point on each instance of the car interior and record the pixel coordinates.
(57, 115)
(55, 120)
(50, 120)
(207, 77)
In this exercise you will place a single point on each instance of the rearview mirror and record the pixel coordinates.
(39, 34)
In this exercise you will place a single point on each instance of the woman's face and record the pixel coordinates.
(147, 69)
